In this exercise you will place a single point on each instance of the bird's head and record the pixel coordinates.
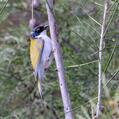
(38, 30)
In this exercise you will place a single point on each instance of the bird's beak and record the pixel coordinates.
(32, 35)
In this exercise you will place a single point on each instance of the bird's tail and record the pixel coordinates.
(39, 84)
(40, 77)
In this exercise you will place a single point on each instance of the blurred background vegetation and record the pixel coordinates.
(79, 23)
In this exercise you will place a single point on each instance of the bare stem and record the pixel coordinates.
(100, 59)
(59, 60)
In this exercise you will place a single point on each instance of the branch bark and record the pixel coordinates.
(59, 60)
(100, 59)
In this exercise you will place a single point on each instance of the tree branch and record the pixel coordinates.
(59, 60)
(100, 59)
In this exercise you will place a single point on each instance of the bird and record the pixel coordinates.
(41, 53)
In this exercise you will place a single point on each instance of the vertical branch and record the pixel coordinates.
(59, 60)
(100, 59)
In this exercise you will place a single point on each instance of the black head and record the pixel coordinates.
(38, 29)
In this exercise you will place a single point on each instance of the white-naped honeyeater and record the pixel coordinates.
(40, 53)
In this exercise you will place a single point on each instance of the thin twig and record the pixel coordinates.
(80, 65)
(94, 20)
(110, 47)
(112, 16)
(100, 59)
(1, 11)
(88, 25)
(92, 39)
(98, 4)
(32, 11)
(110, 58)
(112, 77)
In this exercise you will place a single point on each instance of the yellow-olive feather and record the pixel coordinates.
(35, 54)
(35, 47)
